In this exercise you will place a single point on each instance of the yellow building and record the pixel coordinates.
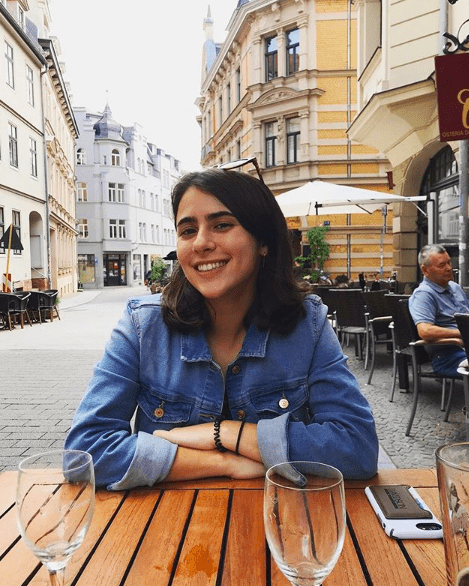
(282, 87)
(398, 114)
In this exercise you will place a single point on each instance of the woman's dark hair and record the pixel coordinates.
(279, 297)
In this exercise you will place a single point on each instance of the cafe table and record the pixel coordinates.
(210, 532)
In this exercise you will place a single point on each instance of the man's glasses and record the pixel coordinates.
(240, 163)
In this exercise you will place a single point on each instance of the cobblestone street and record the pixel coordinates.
(45, 370)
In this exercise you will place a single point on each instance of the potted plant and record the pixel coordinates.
(158, 275)
(319, 250)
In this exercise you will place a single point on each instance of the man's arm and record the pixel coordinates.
(432, 333)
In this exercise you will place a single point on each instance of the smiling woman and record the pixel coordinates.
(234, 368)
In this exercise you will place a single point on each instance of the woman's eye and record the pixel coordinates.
(223, 225)
(187, 232)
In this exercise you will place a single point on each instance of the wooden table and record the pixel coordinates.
(211, 533)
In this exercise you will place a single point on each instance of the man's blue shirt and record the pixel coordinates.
(433, 304)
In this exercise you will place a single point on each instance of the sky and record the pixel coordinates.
(144, 58)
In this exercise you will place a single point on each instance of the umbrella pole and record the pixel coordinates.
(5, 285)
(384, 212)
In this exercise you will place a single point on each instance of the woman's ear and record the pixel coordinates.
(264, 250)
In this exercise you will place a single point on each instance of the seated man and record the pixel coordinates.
(433, 305)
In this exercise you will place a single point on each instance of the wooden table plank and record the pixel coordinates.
(200, 556)
(7, 490)
(428, 555)
(384, 559)
(109, 563)
(155, 558)
(246, 540)
(413, 477)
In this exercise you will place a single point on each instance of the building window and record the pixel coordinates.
(440, 184)
(16, 217)
(220, 111)
(271, 58)
(10, 65)
(238, 149)
(292, 48)
(238, 85)
(115, 158)
(228, 98)
(117, 229)
(82, 191)
(13, 144)
(293, 139)
(143, 231)
(21, 17)
(81, 159)
(270, 139)
(83, 228)
(30, 84)
(2, 227)
(116, 192)
(33, 156)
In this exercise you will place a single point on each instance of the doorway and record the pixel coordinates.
(115, 272)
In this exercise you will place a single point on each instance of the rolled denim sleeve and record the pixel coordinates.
(101, 424)
(341, 431)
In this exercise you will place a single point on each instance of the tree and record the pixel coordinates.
(158, 271)
(319, 249)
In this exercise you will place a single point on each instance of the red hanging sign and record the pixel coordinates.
(452, 85)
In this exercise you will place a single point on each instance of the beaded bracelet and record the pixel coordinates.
(239, 436)
(216, 435)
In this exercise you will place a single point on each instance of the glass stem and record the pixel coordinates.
(57, 578)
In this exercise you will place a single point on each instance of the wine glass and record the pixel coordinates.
(305, 523)
(55, 503)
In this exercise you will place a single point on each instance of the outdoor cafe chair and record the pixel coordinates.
(407, 341)
(21, 307)
(462, 321)
(51, 307)
(39, 304)
(8, 304)
(378, 316)
(350, 312)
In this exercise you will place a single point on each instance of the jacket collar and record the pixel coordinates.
(194, 347)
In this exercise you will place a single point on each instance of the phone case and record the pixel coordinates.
(425, 527)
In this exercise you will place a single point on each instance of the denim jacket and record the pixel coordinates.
(296, 387)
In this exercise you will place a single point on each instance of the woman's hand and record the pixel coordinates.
(199, 437)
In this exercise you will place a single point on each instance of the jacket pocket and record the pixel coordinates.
(167, 410)
(286, 398)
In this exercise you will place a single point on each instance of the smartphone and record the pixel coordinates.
(402, 512)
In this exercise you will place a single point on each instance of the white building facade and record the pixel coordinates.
(23, 200)
(37, 137)
(123, 201)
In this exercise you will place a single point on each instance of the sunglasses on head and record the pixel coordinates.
(240, 163)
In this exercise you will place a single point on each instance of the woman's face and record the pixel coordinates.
(218, 256)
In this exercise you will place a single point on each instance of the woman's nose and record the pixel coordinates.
(203, 240)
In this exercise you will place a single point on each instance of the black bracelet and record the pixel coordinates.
(216, 434)
(239, 436)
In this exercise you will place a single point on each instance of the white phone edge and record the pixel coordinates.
(405, 528)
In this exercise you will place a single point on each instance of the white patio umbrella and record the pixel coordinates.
(324, 198)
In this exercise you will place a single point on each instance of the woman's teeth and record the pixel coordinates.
(210, 266)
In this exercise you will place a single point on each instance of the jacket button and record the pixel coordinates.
(283, 403)
(236, 369)
(159, 412)
(241, 414)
